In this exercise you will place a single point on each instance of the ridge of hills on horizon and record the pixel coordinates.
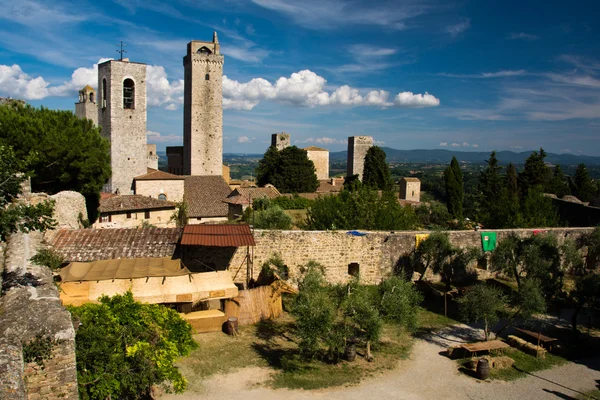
(444, 156)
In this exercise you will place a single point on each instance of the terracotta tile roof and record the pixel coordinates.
(227, 235)
(132, 202)
(204, 196)
(409, 179)
(325, 186)
(314, 148)
(156, 175)
(243, 195)
(84, 245)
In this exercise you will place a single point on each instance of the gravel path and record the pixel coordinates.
(427, 375)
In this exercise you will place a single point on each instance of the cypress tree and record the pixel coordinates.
(454, 189)
(559, 185)
(489, 186)
(376, 173)
(583, 186)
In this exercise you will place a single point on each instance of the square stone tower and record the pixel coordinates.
(281, 140)
(203, 109)
(319, 157)
(87, 107)
(122, 117)
(357, 150)
(410, 189)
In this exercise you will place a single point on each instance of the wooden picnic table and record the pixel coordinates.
(546, 340)
(474, 348)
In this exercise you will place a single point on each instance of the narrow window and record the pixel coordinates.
(353, 269)
(413, 193)
(147, 214)
(104, 93)
(128, 94)
(128, 214)
(207, 77)
(91, 97)
(162, 196)
(109, 217)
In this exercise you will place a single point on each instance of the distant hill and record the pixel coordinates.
(442, 156)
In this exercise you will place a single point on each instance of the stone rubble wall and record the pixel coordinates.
(28, 311)
(68, 206)
(377, 253)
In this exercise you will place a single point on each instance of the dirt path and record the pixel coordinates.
(427, 375)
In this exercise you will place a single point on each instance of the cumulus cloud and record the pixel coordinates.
(444, 144)
(475, 145)
(157, 137)
(323, 140)
(244, 139)
(455, 145)
(306, 88)
(161, 92)
(465, 144)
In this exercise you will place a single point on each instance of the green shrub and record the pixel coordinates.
(48, 258)
(292, 203)
(398, 301)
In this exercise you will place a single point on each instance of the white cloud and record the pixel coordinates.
(487, 75)
(516, 147)
(444, 144)
(455, 30)
(465, 144)
(161, 92)
(455, 145)
(157, 137)
(475, 145)
(15, 83)
(522, 36)
(306, 88)
(244, 139)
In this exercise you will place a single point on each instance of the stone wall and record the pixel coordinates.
(281, 140)
(68, 207)
(158, 218)
(377, 253)
(29, 311)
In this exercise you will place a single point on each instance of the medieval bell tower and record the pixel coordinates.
(122, 116)
(203, 111)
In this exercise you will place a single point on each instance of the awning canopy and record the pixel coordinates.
(227, 235)
(124, 268)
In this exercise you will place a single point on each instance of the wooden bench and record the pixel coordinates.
(546, 341)
(475, 348)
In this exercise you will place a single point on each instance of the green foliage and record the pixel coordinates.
(433, 252)
(272, 218)
(14, 216)
(123, 347)
(289, 170)
(482, 303)
(433, 215)
(398, 302)
(362, 208)
(376, 173)
(453, 179)
(39, 350)
(180, 215)
(537, 211)
(583, 186)
(292, 203)
(559, 184)
(48, 258)
(274, 265)
(535, 174)
(490, 185)
(70, 153)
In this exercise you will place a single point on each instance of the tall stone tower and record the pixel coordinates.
(203, 109)
(87, 107)
(122, 116)
(281, 140)
(357, 150)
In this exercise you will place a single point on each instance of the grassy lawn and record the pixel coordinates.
(432, 321)
(524, 365)
(273, 344)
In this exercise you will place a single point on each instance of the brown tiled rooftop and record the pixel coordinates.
(204, 196)
(84, 245)
(227, 235)
(132, 202)
(156, 175)
(245, 195)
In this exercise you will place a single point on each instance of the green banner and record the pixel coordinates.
(488, 241)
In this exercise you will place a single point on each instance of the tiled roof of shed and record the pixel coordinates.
(243, 195)
(204, 196)
(132, 202)
(226, 235)
(156, 175)
(105, 244)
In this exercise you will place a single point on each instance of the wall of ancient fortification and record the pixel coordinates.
(376, 253)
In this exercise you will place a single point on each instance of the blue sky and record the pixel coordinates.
(463, 75)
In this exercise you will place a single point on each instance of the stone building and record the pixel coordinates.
(357, 150)
(202, 109)
(160, 185)
(319, 157)
(151, 156)
(87, 107)
(122, 116)
(281, 140)
(242, 198)
(128, 211)
(410, 189)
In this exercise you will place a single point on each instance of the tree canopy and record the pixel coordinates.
(376, 173)
(70, 153)
(582, 185)
(455, 194)
(289, 170)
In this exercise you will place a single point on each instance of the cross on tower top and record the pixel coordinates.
(121, 50)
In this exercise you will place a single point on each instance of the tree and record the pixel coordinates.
(454, 189)
(15, 216)
(398, 301)
(434, 252)
(265, 215)
(538, 211)
(510, 198)
(482, 303)
(289, 170)
(376, 173)
(123, 347)
(535, 174)
(70, 153)
(490, 185)
(559, 184)
(582, 186)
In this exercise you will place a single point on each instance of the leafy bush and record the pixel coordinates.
(48, 258)
(123, 347)
(398, 301)
(482, 303)
(274, 265)
(271, 218)
(292, 203)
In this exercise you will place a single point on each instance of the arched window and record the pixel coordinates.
(128, 94)
(204, 50)
(207, 77)
(80, 97)
(92, 97)
(103, 93)
(162, 196)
